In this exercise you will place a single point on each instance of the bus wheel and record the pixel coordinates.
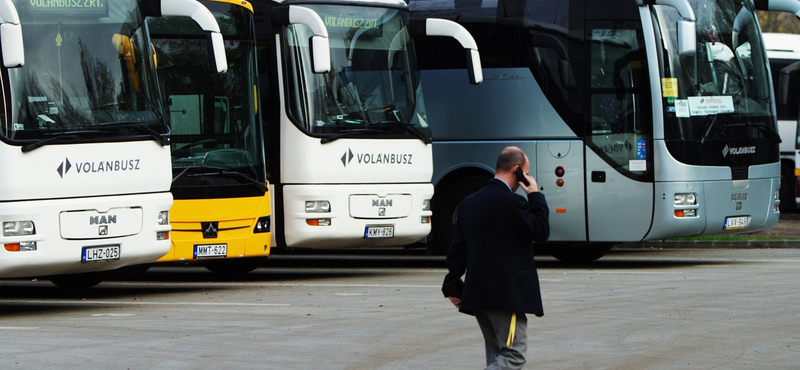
(579, 252)
(237, 266)
(79, 281)
(788, 184)
(444, 216)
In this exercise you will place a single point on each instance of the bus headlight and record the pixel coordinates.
(262, 225)
(685, 199)
(163, 218)
(318, 206)
(16, 228)
(426, 205)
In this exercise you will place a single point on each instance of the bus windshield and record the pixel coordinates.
(722, 91)
(87, 73)
(212, 116)
(373, 85)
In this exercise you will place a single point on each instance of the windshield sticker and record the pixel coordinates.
(706, 105)
(641, 149)
(669, 87)
(637, 165)
(682, 108)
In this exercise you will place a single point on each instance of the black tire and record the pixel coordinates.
(234, 267)
(788, 183)
(79, 281)
(129, 272)
(444, 216)
(579, 252)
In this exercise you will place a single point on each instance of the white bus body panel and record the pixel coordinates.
(785, 46)
(304, 160)
(84, 195)
(61, 171)
(347, 228)
(347, 168)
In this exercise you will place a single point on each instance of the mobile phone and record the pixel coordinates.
(521, 177)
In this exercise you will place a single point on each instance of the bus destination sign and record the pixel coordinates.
(69, 8)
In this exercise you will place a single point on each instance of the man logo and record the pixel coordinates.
(64, 167)
(210, 229)
(347, 157)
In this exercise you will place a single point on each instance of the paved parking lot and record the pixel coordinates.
(633, 309)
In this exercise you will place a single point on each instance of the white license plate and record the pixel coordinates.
(733, 223)
(379, 232)
(100, 253)
(210, 250)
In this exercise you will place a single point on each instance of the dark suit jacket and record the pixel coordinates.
(493, 244)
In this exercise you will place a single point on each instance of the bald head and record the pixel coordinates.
(510, 158)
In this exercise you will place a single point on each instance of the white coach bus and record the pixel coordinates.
(85, 175)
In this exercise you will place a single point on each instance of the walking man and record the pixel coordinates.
(493, 244)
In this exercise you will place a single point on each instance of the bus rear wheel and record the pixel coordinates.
(578, 252)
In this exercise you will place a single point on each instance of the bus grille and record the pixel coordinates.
(739, 173)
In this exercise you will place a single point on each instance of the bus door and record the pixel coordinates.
(618, 119)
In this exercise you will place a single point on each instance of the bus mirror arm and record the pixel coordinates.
(202, 16)
(13, 52)
(789, 6)
(687, 33)
(448, 28)
(319, 43)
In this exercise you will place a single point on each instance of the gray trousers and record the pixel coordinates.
(505, 334)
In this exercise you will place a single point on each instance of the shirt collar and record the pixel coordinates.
(504, 183)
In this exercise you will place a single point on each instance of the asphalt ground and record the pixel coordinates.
(731, 309)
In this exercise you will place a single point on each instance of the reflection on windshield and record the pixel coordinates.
(718, 103)
(82, 72)
(373, 81)
(728, 73)
(212, 116)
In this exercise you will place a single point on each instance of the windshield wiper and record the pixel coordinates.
(710, 126)
(220, 171)
(353, 132)
(410, 127)
(62, 137)
(140, 127)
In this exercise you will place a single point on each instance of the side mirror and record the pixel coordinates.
(202, 16)
(124, 47)
(447, 28)
(319, 44)
(789, 6)
(13, 51)
(687, 38)
(687, 34)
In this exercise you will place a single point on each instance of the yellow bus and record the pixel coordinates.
(221, 213)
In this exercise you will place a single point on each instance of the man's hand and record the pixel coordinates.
(532, 188)
(455, 301)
